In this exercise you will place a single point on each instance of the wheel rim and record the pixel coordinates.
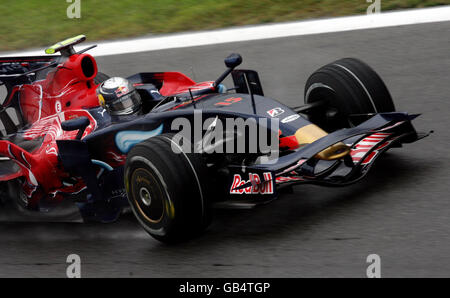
(145, 196)
(148, 196)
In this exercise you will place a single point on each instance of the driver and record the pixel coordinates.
(119, 97)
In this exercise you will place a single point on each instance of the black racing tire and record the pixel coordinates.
(100, 78)
(167, 191)
(349, 86)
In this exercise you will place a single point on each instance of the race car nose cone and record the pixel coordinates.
(336, 151)
(311, 133)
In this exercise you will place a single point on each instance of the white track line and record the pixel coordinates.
(248, 33)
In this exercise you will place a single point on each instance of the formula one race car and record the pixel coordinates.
(192, 146)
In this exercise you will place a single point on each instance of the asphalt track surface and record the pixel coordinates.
(400, 211)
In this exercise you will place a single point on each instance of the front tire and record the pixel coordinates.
(167, 191)
(349, 86)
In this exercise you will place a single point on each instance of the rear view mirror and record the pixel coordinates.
(233, 60)
(79, 124)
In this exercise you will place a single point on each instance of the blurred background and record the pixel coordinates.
(31, 23)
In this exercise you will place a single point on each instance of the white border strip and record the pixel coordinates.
(249, 33)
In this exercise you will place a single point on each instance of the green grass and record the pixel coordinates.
(34, 23)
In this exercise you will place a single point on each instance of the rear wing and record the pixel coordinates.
(13, 69)
(16, 71)
(11, 66)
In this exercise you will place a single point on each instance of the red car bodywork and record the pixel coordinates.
(66, 93)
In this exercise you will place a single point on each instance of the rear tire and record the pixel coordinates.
(349, 86)
(167, 191)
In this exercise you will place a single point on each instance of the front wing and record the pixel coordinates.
(367, 142)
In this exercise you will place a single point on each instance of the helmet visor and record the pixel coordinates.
(125, 105)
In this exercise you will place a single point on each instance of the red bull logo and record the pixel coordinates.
(257, 187)
(122, 90)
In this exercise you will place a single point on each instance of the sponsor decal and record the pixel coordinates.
(229, 101)
(359, 152)
(257, 187)
(275, 112)
(122, 90)
(58, 106)
(140, 179)
(290, 118)
(102, 112)
(281, 180)
(125, 140)
(294, 167)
